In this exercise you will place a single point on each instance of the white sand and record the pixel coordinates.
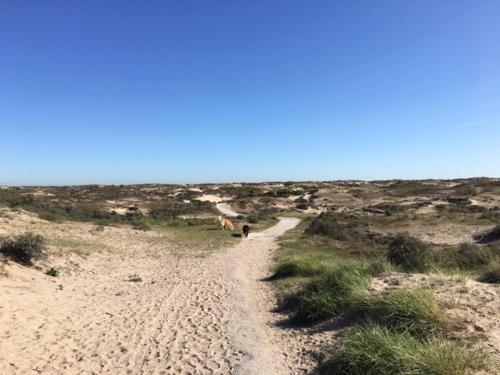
(189, 315)
(226, 210)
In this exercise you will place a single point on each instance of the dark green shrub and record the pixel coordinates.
(491, 275)
(52, 271)
(488, 236)
(408, 252)
(24, 248)
(253, 219)
(340, 227)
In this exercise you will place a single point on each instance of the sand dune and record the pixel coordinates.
(188, 315)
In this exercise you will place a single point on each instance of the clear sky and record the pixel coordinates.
(248, 90)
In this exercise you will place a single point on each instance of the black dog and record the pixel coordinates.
(246, 230)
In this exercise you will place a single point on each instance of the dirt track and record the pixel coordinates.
(188, 315)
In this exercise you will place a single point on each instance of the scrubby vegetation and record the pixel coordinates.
(377, 350)
(408, 252)
(52, 271)
(25, 248)
(339, 226)
(331, 293)
(326, 265)
(489, 236)
(405, 310)
(324, 272)
(491, 275)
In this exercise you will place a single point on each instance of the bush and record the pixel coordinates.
(302, 204)
(338, 226)
(331, 293)
(492, 275)
(488, 236)
(471, 256)
(25, 248)
(253, 219)
(408, 252)
(377, 350)
(52, 271)
(413, 310)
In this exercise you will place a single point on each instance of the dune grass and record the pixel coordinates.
(299, 267)
(406, 310)
(404, 331)
(331, 293)
(377, 350)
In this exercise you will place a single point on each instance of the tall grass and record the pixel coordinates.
(331, 293)
(306, 267)
(377, 350)
(411, 310)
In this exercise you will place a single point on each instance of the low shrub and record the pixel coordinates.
(52, 271)
(340, 227)
(253, 219)
(491, 275)
(24, 248)
(488, 236)
(408, 253)
(378, 350)
(471, 256)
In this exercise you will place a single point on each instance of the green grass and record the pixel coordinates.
(331, 293)
(377, 350)
(468, 259)
(411, 310)
(301, 267)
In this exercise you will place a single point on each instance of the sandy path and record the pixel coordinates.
(226, 210)
(188, 315)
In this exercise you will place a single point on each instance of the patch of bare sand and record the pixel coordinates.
(215, 198)
(447, 233)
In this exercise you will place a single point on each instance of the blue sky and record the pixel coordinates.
(248, 90)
